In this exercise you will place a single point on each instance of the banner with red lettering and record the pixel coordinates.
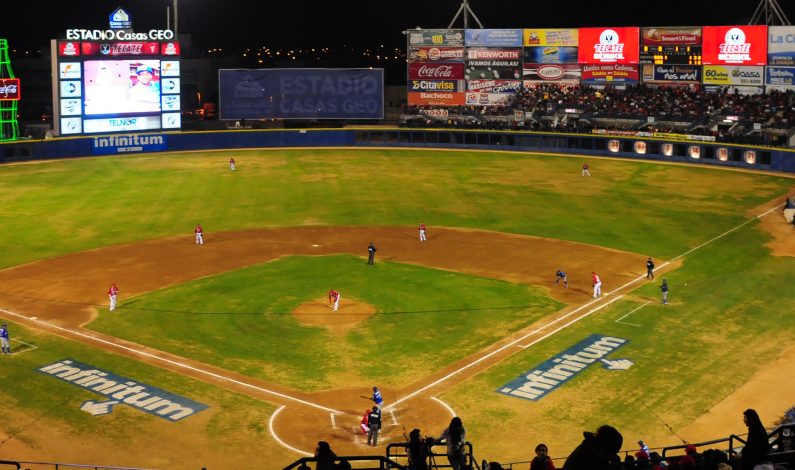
(436, 71)
(437, 98)
(444, 54)
(734, 45)
(609, 45)
(120, 48)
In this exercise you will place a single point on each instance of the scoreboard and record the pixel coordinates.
(677, 45)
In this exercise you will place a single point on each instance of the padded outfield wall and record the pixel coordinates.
(693, 152)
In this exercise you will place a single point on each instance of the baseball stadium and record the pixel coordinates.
(539, 283)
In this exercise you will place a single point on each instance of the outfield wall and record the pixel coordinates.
(695, 152)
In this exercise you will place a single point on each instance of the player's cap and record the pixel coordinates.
(4, 324)
(375, 388)
(145, 68)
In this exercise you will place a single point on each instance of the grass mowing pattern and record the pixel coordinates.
(242, 320)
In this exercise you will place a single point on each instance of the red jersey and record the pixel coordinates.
(422, 226)
(113, 290)
(198, 229)
(366, 417)
(596, 279)
(232, 161)
(584, 166)
(334, 295)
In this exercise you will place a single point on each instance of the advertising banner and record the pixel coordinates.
(132, 143)
(564, 73)
(780, 76)
(676, 36)
(550, 55)
(9, 89)
(119, 48)
(494, 37)
(433, 54)
(437, 98)
(489, 69)
(488, 99)
(609, 45)
(170, 48)
(436, 85)
(551, 37)
(68, 49)
(436, 71)
(301, 93)
(734, 45)
(781, 45)
(482, 53)
(436, 37)
(733, 75)
(609, 74)
(119, 124)
(495, 86)
(682, 74)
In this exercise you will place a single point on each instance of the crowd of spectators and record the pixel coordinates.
(546, 106)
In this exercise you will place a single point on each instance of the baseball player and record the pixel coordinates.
(649, 269)
(422, 232)
(377, 398)
(334, 299)
(371, 253)
(664, 289)
(6, 346)
(561, 276)
(365, 424)
(597, 285)
(199, 235)
(374, 421)
(113, 291)
(232, 164)
(586, 170)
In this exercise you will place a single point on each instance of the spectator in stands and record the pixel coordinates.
(325, 456)
(455, 437)
(596, 451)
(417, 451)
(542, 461)
(756, 446)
(657, 463)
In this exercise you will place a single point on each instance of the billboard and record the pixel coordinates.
(670, 45)
(436, 37)
(616, 74)
(433, 54)
(677, 35)
(437, 98)
(121, 86)
(733, 75)
(9, 89)
(734, 45)
(551, 37)
(493, 69)
(608, 45)
(488, 99)
(550, 55)
(780, 76)
(482, 53)
(436, 85)
(301, 93)
(495, 86)
(120, 48)
(436, 71)
(494, 37)
(564, 73)
(674, 74)
(781, 45)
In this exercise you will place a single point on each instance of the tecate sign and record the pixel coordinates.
(120, 35)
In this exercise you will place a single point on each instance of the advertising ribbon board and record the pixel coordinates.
(550, 55)
(551, 37)
(433, 54)
(734, 45)
(733, 75)
(609, 45)
(563, 73)
(781, 45)
(494, 37)
(436, 37)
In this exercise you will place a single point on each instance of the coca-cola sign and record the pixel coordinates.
(9, 89)
(436, 71)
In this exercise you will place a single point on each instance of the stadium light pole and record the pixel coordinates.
(176, 19)
(466, 10)
(767, 12)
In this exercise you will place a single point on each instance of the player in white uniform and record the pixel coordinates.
(199, 235)
(334, 299)
(597, 285)
(113, 291)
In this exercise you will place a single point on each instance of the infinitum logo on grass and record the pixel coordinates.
(128, 392)
(551, 374)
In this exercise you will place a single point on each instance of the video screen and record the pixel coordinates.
(121, 86)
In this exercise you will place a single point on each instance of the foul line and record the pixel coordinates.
(449, 408)
(276, 436)
(30, 347)
(175, 363)
(618, 320)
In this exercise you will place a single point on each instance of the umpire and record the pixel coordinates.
(371, 253)
(374, 421)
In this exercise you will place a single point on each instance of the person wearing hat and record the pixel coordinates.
(664, 289)
(596, 451)
(145, 88)
(371, 253)
(6, 346)
(377, 398)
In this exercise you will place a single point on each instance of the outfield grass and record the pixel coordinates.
(66, 206)
(242, 320)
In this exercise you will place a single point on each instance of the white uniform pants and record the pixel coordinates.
(422, 235)
(597, 289)
(199, 239)
(112, 302)
(337, 303)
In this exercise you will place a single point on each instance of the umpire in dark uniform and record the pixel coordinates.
(649, 269)
(374, 421)
(371, 253)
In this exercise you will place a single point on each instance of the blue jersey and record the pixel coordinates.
(560, 274)
(377, 397)
(3, 332)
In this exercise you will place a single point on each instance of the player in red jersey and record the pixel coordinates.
(232, 164)
(113, 291)
(597, 285)
(422, 232)
(334, 299)
(199, 235)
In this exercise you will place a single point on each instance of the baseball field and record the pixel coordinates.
(226, 355)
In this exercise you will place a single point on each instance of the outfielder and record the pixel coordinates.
(334, 299)
(232, 164)
(113, 291)
(664, 289)
(597, 285)
(4, 339)
(199, 235)
(586, 170)
(422, 232)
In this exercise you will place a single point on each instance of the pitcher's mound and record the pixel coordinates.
(350, 313)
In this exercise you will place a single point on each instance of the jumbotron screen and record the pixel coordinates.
(105, 87)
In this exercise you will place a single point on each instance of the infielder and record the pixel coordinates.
(199, 235)
(664, 289)
(561, 276)
(232, 164)
(334, 299)
(422, 232)
(4, 339)
(597, 285)
(113, 291)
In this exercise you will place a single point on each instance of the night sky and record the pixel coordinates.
(237, 24)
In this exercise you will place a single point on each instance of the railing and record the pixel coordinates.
(20, 464)
(370, 462)
(435, 459)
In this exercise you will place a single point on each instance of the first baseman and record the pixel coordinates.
(113, 291)
(597, 285)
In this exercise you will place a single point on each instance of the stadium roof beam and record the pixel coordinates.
(466, 10)
(769, 12)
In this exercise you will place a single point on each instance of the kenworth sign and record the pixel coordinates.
(551, 374)
(121, 390)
